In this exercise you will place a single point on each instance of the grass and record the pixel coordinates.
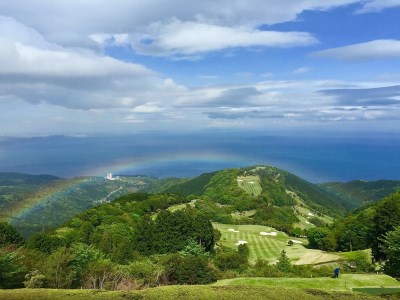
(251, 184)
(186, 293)
(269, 247)
(345, 282)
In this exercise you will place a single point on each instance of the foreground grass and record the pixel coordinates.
(345, 282)
(187, 293)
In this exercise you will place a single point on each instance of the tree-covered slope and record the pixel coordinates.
(223, 187)
(185, 187)
(357, 193)
(39, 202)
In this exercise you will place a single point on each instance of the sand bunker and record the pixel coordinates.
(311, 214)
(308, 222)
(241, 242)
(273, 233)
(297, 242)
(233, 230)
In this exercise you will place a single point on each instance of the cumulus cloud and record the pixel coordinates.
(377, 49)
(219, 24)
(35, 70)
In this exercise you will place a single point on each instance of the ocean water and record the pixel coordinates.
(317, 158)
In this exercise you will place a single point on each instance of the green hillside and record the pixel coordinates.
(34, 203)
(186, 187)
(188, 293)
(358, 193)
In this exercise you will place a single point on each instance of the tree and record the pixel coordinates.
(189, 269)
(45, 242)
(321, 238)
(387, 217)
(11, 270)
(283, 263)
(244, 251)
(391, 248)
(8, 235)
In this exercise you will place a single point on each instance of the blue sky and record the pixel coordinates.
(83, 67)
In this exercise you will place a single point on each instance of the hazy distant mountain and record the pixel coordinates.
(357, 193)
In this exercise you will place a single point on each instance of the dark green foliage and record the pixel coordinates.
(8, 235)
(117, 240)
(361, 262)
(214, 212)
(230, 259)
(358, 193)
(45, 242)
(189, 269)
(274, 188)
(244, 251)
(314, 196)
(355, 231)
(283, 264)
(391, 248)
(321, 238)
(195, 186)
(11, 270)
(223, 188)
(14, 179)
(386, 218)
(171, 232)
(51, 201)
(281, 218)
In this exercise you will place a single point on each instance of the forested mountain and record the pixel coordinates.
(274, 184)
(258, 194)
(38, 202)
(358, 193)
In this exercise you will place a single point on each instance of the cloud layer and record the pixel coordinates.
(378, 49)
(56, 75)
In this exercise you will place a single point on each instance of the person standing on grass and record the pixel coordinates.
(336, 272)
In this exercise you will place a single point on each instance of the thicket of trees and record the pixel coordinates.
(375, 227)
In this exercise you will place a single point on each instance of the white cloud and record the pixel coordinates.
(191, 38)
(378, 5)
(235, 22)
(301, 70)
(36, 70)
(377, 49)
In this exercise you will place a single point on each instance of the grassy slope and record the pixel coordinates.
(185, 293)
(269, 247)
(345, 282)
(250, 184)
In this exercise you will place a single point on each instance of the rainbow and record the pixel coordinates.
(127, 166)
(130, 165)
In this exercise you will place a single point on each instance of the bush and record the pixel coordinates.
(189, 269)
(34, 280)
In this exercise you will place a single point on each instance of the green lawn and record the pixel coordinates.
(186, 293)
(345, 282)
(269, 247)
(251, 184)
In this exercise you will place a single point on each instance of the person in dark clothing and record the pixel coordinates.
(336, 272)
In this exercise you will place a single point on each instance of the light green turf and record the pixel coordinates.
(270, 247)
(186, 293)
(343, 283)
(251, 184)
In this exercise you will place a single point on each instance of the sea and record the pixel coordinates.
(314, 157)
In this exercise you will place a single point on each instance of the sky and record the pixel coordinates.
(83, 67)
